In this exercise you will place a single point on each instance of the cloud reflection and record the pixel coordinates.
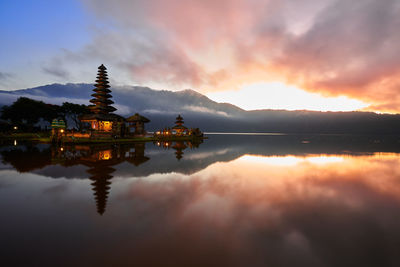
(335, 213)
(253, 211)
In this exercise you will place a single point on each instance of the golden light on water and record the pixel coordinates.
(276, 172)
(105, 155)
(324, 159)
(278, 95)
(277, 161)
(291, 160)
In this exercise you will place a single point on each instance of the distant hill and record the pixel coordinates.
(161, 107)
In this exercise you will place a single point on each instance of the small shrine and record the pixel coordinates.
(179, 128)
(136, 124)
(57, 129)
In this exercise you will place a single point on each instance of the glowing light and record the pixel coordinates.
(15, 142)
(277, 95)
(62, 130)
(62, 149)
(105, 155)
(107, 126)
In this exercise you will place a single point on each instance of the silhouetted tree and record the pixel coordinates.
(73, 111)
(26, 111)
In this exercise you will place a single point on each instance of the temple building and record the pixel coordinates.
(179, 128)
(136, 124)
(103, 123)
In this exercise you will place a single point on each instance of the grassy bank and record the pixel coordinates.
(45, 138)
(25, 136)
(126, 140)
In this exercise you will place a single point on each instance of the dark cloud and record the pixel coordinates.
(4, 76)
(56, 72)
(56, 68)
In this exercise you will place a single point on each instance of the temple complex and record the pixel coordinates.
(102, 125)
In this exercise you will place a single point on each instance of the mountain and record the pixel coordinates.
(161, 107)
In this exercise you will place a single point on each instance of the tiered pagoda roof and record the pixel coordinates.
(101, 97)
(137, 117)
(179, 123)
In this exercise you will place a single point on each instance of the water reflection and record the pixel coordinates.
(224, 204)
(99, 160)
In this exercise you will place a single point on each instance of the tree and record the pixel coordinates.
(26, 111)
(73, 111)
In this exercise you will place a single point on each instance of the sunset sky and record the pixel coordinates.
(280, 54)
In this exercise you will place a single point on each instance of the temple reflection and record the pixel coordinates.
(136, 156)
(101, 177)
(101, 162)
(179, 146)
(279, 187)
(98, 161)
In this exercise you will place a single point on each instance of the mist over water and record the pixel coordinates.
(292, 200)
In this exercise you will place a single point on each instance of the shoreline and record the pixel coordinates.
(46, 138)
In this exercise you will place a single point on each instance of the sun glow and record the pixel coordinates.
(277, 95)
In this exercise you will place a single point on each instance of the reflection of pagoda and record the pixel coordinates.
(101, 185)
(99, 160)
(179, 147)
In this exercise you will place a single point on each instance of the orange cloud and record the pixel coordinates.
(331, 47)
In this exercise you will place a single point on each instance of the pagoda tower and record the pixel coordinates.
(179, 127)
(179, 120)
(103, 123)
(101, 97)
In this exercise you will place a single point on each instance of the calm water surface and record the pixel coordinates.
(230, 201)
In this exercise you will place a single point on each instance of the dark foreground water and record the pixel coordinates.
(230, 201)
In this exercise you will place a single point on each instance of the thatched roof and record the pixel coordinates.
(101, 117)
(137, 117)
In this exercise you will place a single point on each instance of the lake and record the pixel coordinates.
(233, 200)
